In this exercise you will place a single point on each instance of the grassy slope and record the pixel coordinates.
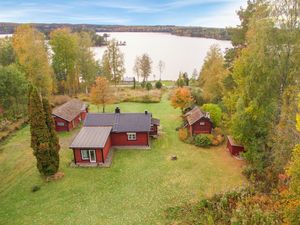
(137, 189)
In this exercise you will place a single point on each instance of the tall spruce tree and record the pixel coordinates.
(54, 141)
(41, 140)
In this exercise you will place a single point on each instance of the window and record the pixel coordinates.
(202, 123)
(60, 124)
(131, 136)
(85, 154)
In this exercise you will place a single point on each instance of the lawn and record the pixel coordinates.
(137, 189)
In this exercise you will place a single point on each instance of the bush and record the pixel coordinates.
(218, 131)
(148, 86)
(215, 112)
(35, 188)
(197, 95)
(183, 134)
(190, 140)
(158, 84)
(236, 207)
(203, 140)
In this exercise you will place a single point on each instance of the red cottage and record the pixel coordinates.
(103, 131)
(69, 115)
(234, 148)
(198, 122)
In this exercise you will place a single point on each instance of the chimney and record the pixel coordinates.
(146, 112)
(117, 110)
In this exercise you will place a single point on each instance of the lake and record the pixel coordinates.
(180, 54)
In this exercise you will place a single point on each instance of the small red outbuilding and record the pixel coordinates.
(233, 147)
(69, 115)
(198, 122)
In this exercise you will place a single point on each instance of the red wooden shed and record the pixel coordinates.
(233, 147)
(69, 115)
(198, 122)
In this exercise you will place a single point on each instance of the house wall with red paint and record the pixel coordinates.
(202, 126)
(121, 139)
(107, 148)
(98, 151)
(235, 149)
(58, 128)
(83, 115)
(153, 130)
(67, 125)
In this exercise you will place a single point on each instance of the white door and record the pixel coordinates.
(92, 154)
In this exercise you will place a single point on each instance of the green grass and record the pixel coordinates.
(137, 189)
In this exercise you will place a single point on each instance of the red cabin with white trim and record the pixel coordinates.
(198, 122)
(69, 115)
(103, 131)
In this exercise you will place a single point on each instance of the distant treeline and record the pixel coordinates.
(216, 33)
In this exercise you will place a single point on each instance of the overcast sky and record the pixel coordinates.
(208, 13)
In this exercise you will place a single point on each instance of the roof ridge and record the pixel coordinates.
(116, 121)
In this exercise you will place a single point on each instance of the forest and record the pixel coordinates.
(205, 32)
(256, 84)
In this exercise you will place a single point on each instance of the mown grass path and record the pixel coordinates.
(137, 189)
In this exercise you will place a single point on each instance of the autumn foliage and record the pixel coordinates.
(183, 134)
(101, 93)
(181, 98)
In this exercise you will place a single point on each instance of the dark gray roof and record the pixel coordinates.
(120, 122)
(69, 110)
(155, 121)
(91, 137)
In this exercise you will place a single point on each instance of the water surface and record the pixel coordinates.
(180, 54)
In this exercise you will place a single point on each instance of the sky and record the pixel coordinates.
(207, 13)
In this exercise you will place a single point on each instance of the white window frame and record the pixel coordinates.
(131, 136)
(202, 123)
(90, 158)
(87, 154)
(60, 124)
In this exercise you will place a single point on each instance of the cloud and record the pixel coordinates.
(126, 12)
(223, 17)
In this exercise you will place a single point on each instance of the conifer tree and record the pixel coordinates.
(54, 141)
(40, 135)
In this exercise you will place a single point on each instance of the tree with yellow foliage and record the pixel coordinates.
(292, 208)
(65, 47)
(101, 93)
(212, 75)
(29, 46)
(181, 98)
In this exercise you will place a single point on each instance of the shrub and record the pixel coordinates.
(218, 131)
(202, 140)
(236, 207)
(215, 113)
(35, 188)
(158, 84)
(190, 140)
(197, 95)
(148, 86)
(143, 84)
(183, 134)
